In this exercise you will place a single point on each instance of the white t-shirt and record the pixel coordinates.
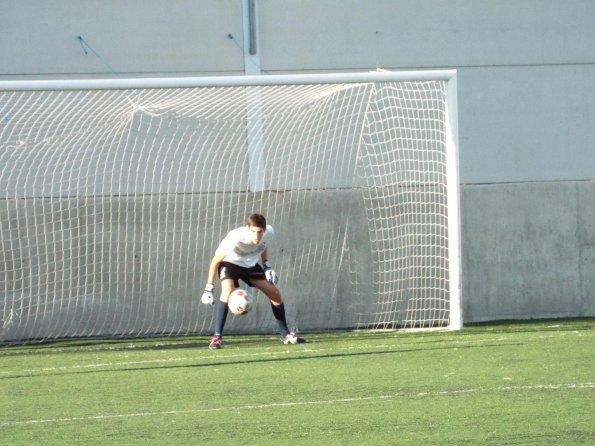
(239, 249)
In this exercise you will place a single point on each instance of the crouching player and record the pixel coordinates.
(237, 258)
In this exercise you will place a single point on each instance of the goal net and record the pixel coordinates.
(114, 195)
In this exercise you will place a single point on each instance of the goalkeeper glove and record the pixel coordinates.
(207, 297)
(270, 273)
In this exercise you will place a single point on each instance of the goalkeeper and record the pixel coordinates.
(237, 258)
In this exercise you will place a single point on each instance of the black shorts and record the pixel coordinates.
(234, 272)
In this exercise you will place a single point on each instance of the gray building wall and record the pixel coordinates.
(526, 105)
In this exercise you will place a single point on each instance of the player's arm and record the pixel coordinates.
(268, 271)
(207, 297)
(214, 267)
(265, 255)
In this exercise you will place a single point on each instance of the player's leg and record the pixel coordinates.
(221, 311)
(274, 295)
(268, 289)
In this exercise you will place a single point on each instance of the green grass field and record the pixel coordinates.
(521, 384)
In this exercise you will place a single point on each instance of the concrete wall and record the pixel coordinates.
(526, 105)
(532, 248)
(105, 266)
(124, 37)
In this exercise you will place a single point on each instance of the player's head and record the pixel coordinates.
(257, 220)
(257, 225)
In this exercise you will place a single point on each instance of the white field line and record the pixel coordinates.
(536, 387)
(217, 357)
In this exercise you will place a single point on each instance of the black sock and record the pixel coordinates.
(221, 311)
(279, 313)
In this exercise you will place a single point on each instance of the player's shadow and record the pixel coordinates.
(285, 359)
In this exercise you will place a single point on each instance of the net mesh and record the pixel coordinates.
(113, 201)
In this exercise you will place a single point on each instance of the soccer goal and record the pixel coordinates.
(115, 193)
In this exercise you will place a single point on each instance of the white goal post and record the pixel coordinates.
(115, 193)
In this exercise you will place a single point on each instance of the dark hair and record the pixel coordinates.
(257, 220)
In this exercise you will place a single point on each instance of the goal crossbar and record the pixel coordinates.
(228, 81)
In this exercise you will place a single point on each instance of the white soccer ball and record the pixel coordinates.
(240, 302)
